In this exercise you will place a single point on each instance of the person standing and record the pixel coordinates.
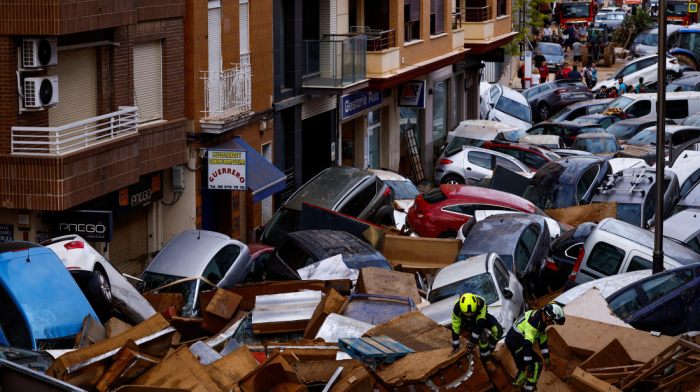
(575, 74)
(594, 74)
(535, 77)
(564, 37)
(577, 52)
(544, 72)
(583, 32)
(641, 87)
(602, 93)
(622, 88)
(521, 75)
(539, 58)
(547, 33)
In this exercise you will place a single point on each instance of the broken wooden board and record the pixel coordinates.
(576, 215)
(249, 291)
(180, 370)
(592, 306)
(190, 328)
(330, 303)
(416, 368)
(585, 382)
(613, 354)
(420, 252)
(313, 372)
(374, 280)
(549, 382)
(129, 364)
(92, 332)
(228, 370)
(141, 388)
(218, 341)
(162, 301)
(415, 331)
(220, 309)
(304, 350)
(587, 337)
(557, 346)
(116, 327)
(356, 380)
(274, 371)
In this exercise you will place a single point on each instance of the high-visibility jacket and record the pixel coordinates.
(527, 329)
(475, 323)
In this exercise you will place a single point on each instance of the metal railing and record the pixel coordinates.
(228, 93)
(334, 63)
(71, 137)
(456, 20)
(377, 40)
(475, 14)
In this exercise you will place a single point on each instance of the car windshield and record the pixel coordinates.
(553, 50)
(515, 109)
(514, 135)
(592, 130)
(596, 145)
(588, 120)
(285, 221)
(187, 288)
(651, 40)
(403, 189)
(614, 16)
(644, 138)
(630, 213)
(691, 120)
(675, 87)
(677, 9)
(619, 102)
(575, 11)
(621, 131)
(640, 37)
(481, 285)
(457, 143)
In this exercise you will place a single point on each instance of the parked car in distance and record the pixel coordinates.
(643, 145)
(103, 285)
(470, 164)
(350, 191)
(506, 105)
(616, 247)
(684, 227)
(685, 83)
(604, 120)
(567, 130)
(692, 121)
(627, 128)
(403, 193)
(532, 156)
(475, 132)
(603, 145)
(614, 19)
(553, 54)
(578, 109)
(634, 191)
(563, 253)
(544, 141)
(678, 105)
(483, 275)
(567, 182)
(567, 152)
(521, 241)
(440, 212)
(649, 45)
(43, 308)
(300, 249)
(636, 44)
(547, 98)
(645, 67)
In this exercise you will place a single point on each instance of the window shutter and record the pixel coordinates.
(148, 89)
(439, 16)
(214, 54)
(243, 23)
(77, 79)
(415, 10)
(379, 17)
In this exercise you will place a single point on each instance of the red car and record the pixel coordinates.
(440, 212)
(532, 156)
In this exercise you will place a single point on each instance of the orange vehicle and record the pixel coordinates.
(678, 12)
(576, 11)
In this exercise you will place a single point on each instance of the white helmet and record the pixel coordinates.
(555, 312)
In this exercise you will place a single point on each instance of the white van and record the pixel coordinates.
(678, 105)
(615, 247)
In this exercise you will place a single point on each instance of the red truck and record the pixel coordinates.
(576, 11)
(678, 12)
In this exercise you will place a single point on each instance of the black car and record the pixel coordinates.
(626, 129)
(563, 254)
(520, 240)
(302, 248)
(567, 182)
(604, 120)
(567, 130)
(685, 83)
(667, 302)
(546, 98)
(578, 109)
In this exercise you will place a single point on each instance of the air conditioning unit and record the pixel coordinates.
(39, 52)
(40, 92)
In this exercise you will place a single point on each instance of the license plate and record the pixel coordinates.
(574, 96)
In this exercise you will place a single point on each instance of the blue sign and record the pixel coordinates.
(357, 102)
(412, 95)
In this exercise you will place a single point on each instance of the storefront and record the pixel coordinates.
(362, 121)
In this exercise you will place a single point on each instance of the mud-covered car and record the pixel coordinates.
(578, 109)
(643, 145)
(603, 145)
(563, 253)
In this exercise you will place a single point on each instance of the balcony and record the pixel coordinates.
(57, 141)
(334, 66)
(227, 96)
(382, 53)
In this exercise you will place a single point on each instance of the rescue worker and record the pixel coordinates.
(520, 340)
(470, 318)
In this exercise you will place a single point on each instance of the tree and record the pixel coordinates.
(526, 17)
(631, 26)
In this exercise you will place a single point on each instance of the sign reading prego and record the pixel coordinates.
(91, 225)
(228, 170)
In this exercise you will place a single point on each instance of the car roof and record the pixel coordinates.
(686, 164)
(387, 175)
(459, 271)
(520, 146)
(683, 225)
(596, 116)
(607, 286)
(592, 102)
(618, 190)
(499, 232)
(187, 253)
(687, 80)
(674, 94)
(514, 95)
(638, 120)
(489, 195)
(596, 136)
(467, 149)
(572, 167)
(329, 187)
(674, 128)
(569, 124)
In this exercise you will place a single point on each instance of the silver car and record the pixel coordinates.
(470, 164)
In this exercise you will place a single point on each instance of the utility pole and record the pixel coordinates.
(658, 259)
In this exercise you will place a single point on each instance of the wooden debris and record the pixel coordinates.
(679, 354)
(418, 252)
(585, 382)
(163, 301)
(330, 303)
(92, 332)
(116, 327)
(576, 215)
(180, 370)
(374, 280)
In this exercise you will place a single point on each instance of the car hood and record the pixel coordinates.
(607, 286)
(508, 119)
(636, 151)
(618, 164)
(441, 311)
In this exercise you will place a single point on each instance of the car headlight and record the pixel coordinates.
(562, 61)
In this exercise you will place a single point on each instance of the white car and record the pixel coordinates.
(403, 194)
(476, 132)
(102, 284)
(607, 286)
(643, 67)
(687, 168)
(618, 164)
(506, 105)
(552, 224)
(467, 165)
(484, 275)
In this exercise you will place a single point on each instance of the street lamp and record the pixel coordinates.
(658, 258)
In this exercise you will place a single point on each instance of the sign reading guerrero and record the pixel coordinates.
(227, 169)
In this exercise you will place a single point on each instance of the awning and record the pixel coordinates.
(264, 179)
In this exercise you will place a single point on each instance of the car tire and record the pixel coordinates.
(543, 112)
(670, 77)
(451, 234)
(452, 179)
(685, 60)
(584, 55)
(100, 292)
(608, 54)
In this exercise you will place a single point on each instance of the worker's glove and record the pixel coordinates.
(547, 364)
(454, 351)
(530, 371)
(470, 347)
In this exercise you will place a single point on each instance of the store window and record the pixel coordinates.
(374, 139)
(439, 118)
(457, 100)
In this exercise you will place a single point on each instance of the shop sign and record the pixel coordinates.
(91, 225)
(412, 95)
(139, 195)
(7, 233)
(357, 102)
(227, 170)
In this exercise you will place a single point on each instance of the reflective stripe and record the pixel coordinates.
(486, 353)
(475, 336)
(455, 342)
(545, 351)
(527, 358)
(528, 387)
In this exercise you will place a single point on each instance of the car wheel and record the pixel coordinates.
(670, 77)
(453, 179)
(451, 234)
(543, 111)
(100, 292)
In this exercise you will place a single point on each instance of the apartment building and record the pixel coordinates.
(92, 122)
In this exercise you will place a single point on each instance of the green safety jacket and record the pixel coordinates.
(527, 329)
(475, 323)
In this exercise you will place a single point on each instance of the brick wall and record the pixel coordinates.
(195, 44)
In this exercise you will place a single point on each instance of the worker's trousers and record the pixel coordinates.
(516, 349)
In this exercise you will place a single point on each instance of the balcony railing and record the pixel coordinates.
(377, 40)
(71, 137)
(475, 14)
(456, 20)
(334, 62)
(228, 93)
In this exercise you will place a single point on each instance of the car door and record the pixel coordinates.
(509, 163)
(359, 201)
(456, 215)
(586, 182)
(513, 306)
(664, 308)
(234, 271)
(477, 166)
(646, 69)
(627, 73)
(524, 251)
(604, 260)
(641, 108)
(636, 261)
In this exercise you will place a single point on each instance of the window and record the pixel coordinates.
(148, 90)
(480, 159)
(243, 23)
(213, 273)
(576, 113)
(586, 181)
(359, 201)
(294, 256)
(374, 139)
(533, 160)
(411, 18)
(694, 244)
(536, 131)
(462, 209)
(626, 303)
(672, 41)
(606, 122)
(434, 196)
(495, 93)
(648, 62)
(640, 109)
(605, 259)
(657, 288)
(685, 135)
(457, 91)
(505, 163)
(697, 87)
(526, 245)
(501, 7)
(639, 264)
(501, 277)
(649, 206)
(12, 322)
(225, 258)
(687, 184)
(437, 17)
(515, 153)
(677, 108)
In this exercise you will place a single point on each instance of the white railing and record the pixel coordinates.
(228, 93)
(71, 137)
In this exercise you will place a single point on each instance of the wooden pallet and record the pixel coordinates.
(380, 349)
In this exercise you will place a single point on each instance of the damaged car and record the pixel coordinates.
(603, 145)
(684, 227)
(475, 132)
(503, 104)
(468, 165)
(403, 194)
(643, 145)
(563, 253)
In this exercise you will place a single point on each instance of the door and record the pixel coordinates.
(636, 261)
(647, 69)
(234, 267)
(456, 215)
(348, 143)
(664, 311)
(477, 165)
(604, 260)
(513, 307)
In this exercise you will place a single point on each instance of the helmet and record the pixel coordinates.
(555, 312)
(467, 304)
